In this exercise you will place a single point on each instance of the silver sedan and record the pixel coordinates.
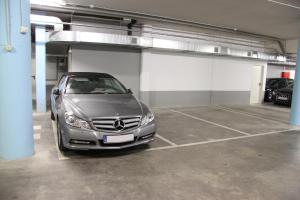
(95, 111)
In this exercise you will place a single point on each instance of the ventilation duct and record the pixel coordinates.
(47, 20)
(75, 37)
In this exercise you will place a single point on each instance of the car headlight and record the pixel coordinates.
(147, 118)
(74, 121)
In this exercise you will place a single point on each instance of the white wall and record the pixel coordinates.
(274, 71)
(162, 71)
(122, 63)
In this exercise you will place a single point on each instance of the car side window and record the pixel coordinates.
(290, 82)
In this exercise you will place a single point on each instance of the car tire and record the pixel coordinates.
(52, 116)
(60, 140)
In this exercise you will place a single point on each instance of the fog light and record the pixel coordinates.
(83, 142)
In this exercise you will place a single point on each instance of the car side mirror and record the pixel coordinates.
(129, 91)
(56, 91)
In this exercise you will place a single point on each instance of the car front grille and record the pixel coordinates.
(109, 123)
(283, 98)
(284, 95)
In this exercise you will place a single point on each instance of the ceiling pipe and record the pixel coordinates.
(73, 8)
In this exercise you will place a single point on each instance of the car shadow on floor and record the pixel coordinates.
(105, 153)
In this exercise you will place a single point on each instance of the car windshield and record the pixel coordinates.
(94, 85)
(272, 83)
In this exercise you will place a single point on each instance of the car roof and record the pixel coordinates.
(88, 74)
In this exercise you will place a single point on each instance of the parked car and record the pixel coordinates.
(284, 96)
(273, 84)
(95, 111)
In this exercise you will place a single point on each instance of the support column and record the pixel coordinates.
(295, 110)
(40, 55)
(16, 131)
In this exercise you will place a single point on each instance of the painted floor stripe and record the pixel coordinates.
(166, 140)
(249, 114)
(37, 136)
(37, 127)
(59, 154)
(209, 122)
(36, 114)
(272, 108)
(219, 140)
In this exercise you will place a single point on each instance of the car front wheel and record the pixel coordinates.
(59, 139)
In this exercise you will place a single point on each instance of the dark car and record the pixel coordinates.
(274, 84)
(284, 96)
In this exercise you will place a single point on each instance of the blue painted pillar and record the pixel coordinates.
(40, 54)
(295, 110)
(16, 131)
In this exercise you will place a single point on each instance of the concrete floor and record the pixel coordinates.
(232, 152)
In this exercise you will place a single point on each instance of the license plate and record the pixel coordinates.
(118, 138)
(283, 98)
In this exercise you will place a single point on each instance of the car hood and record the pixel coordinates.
(104, 105)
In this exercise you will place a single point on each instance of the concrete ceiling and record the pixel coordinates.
(256, 16)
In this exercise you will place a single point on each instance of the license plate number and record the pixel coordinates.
(118, 138)
(283, 98)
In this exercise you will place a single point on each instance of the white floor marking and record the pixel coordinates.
(219, 140)
(37, 127)
(40, 114)
(273, 108)
(59, 154)
(36, 136)
(209, 122)
(272, 132)
(249, 114)
(166, 140)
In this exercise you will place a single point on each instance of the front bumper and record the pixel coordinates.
(79, 139)
(287, 101)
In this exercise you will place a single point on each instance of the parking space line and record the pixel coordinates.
(282, 131)
(249, 114)
(271, 108)
(59, 154)
(166, 140)
(36, 114)
(36, 136)
(37, 127)
(209, 122)
(219, 140)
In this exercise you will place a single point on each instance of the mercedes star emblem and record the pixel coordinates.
(119, 124)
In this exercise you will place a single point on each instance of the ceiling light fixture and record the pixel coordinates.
(284, 4)
(48, 2)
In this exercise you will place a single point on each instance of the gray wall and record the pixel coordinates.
(123, 63)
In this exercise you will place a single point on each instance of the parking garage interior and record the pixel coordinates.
(203, 68)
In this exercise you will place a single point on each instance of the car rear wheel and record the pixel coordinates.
(59, 139)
